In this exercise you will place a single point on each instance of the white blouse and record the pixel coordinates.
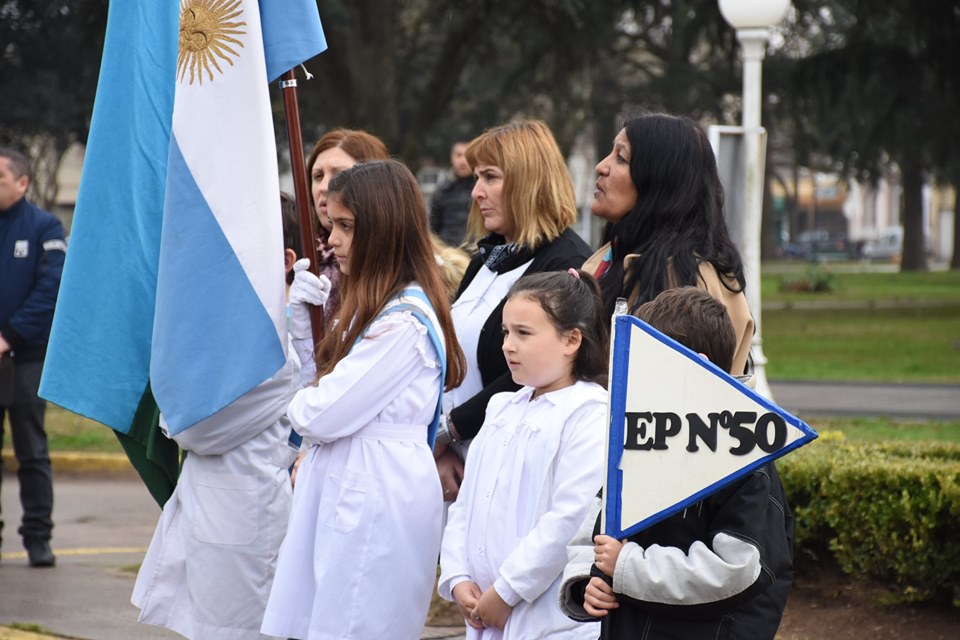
(470, 312)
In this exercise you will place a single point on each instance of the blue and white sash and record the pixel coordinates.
(414, 300)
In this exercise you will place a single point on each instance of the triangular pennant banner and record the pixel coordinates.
(680, 429)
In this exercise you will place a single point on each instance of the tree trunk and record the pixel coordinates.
(955, 261)
(914, 244)
(605, 111)
(605, 114)
(793, 210)
(46, 154)
(768, 224)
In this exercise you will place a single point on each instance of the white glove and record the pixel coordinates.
(306, 289)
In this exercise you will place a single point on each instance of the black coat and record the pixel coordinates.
(565, 252)
(752, 510)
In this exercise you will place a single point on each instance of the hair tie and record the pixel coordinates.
(574, 273)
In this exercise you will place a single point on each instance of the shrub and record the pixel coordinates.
(887, 511)
(813, 280)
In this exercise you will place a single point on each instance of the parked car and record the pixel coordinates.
(820, 245)
(888, 245)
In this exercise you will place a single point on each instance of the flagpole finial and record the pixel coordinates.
(620, 307)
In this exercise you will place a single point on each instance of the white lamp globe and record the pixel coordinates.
(746, 14)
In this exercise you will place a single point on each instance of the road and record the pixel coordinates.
(930, 401)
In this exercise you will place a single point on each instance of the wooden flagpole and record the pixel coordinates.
(291, 110)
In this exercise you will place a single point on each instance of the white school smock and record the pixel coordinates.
(530, 479)
(360, 556)
(208, 570)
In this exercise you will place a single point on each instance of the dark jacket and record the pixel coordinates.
(566, 251)
(450, 208)
(32, 249)
(751, 513)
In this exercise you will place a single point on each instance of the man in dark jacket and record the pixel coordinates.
(450, 205)
(32, 249)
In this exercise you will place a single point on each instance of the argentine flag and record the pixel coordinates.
(173, 286)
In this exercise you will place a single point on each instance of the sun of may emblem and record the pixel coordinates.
(207, 28)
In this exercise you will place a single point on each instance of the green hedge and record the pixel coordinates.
(888, 511)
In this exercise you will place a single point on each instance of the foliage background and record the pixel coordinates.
(852, 86)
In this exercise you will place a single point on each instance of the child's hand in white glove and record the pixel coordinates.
(306, 289)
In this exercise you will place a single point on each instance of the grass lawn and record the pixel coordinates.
(931, 286)
(876, 429)
(919, 342)
(894, 345)
(67, 431)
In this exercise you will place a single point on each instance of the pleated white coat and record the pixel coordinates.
(359, 560)
(531, 476)
(208, 570)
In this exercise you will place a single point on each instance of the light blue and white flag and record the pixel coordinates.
(173, 278)
(220, 286)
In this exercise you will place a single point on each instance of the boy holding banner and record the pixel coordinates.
(720, 568)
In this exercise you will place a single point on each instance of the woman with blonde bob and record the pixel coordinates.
(523, 207)
(360, 554)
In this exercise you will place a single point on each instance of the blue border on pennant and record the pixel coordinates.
(619, 370)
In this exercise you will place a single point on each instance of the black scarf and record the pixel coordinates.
(499, 256)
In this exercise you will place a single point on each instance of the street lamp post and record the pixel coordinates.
(752, 19)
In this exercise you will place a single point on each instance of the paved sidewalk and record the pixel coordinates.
(103, 527)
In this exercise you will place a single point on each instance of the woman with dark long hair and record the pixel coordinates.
(660, 193)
